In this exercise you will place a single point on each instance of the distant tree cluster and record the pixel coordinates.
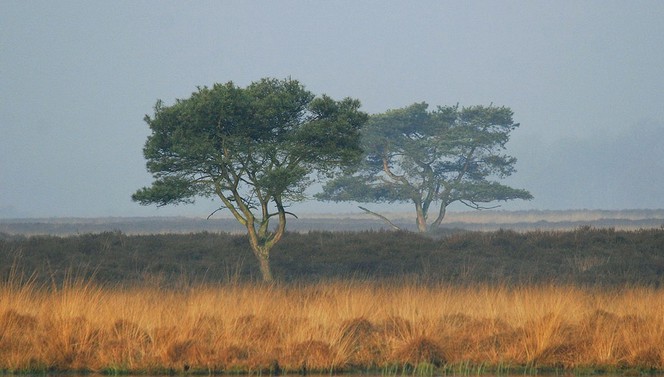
(257, 149)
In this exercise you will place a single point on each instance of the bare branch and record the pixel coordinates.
(393, 225)
(474, 205)
(285, 212)
(215, 211)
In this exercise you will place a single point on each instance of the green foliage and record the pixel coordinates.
(254, 148)
(425, 157)
(167, 190)
(263, 141)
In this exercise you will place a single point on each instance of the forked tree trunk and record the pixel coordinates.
(262, 241)
(262, 254)
(435, 225)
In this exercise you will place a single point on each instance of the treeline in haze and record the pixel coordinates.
(470, 220)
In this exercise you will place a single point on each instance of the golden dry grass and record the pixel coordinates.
(326, 326)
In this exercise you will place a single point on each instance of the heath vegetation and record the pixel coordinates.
(387, 302)
(586, 256)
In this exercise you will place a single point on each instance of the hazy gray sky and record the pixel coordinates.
(584, 78)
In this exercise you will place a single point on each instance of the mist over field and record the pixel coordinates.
(614, 170)
(583, 79)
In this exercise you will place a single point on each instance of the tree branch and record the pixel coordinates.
(242, 220)
(474, 205)
(285, 212)
(388, 171)
(393, 225)
(215, 211)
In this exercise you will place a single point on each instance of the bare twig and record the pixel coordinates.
(393, 225)
(215, 211)
(474, 205)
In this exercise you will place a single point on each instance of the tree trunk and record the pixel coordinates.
(441, 215)
(421, 219)
(262, 241)
(262, 253)
(264, 263)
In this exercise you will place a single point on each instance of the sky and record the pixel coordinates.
(585, 80)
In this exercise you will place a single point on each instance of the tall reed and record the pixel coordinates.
(327, 326)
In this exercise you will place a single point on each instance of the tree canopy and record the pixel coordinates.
(451, 154)
(253, 148)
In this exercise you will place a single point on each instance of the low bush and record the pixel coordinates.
(585, 256)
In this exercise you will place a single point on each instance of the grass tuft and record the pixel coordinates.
(330, 326)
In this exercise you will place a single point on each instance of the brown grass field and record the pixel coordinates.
(333, 326)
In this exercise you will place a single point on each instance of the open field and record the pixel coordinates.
(584, 300)
(329, 326)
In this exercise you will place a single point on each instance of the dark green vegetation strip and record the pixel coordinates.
(585, 256)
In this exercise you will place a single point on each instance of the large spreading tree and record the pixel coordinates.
(432, 159)
(255, 149)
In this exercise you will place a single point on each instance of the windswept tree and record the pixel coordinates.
(432, 159)
(256, 149)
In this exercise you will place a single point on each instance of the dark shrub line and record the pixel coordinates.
(586, 256)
